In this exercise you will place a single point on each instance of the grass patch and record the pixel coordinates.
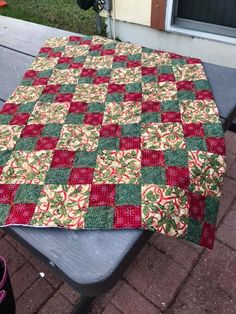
(56, 13)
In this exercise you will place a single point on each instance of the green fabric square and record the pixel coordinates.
(176, 157)
(94, 53)
(57, 176)
(133, 129)
(103, 72)
(128, 194)
(149, 79)
(67, 88)
(43, 55)
(73, 118)
(195, 143)
(85, 80)
(85, 159)
(119, 65)
(135, 57)
(185, 95)
(5, 118)
(165, 69)
(117, 97)
(79, 59)
(62, 66)
(27, 193)
(211, 209)
(133, 87)
(147, 50)
(109, 143)
(4, 156)
(110, 46)
(26, 143)
(151, 117)
(202, 84)
(99, 217)
(96, 107)
(27, 82)
(177, 62)
(194, 231)
(153, 175)
(170, 105)
(44, 73)
(47, 98)
(213, 129)
(4, 211)
(58, 49)
(52, 130)
(28, 107)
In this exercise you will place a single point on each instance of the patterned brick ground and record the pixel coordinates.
(168, 276)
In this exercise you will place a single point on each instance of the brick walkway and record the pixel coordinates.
(168, 276)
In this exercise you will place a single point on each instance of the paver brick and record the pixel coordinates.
(23, 250)
(232, 144)
(69, 293)
(111, 309)
(226, 201)
(57, 304)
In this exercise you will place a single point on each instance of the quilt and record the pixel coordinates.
(110, 135)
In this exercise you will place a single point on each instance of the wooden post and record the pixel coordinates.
(158, 14)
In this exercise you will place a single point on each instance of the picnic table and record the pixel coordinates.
(91, 261)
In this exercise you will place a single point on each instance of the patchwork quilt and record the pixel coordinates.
(104, 134)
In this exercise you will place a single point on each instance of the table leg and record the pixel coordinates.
(83, 306)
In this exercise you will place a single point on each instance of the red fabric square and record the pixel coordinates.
(20, 214)
(151, 106)
(75, 65)
(102, 195)
(32, 130)
(110, 130)
(30, 74)
(177, 176)
(121, 58)
(216, 145)
(166, 78)
(193, 129)
(204, 94)
(93, 118)
(81, 176)
(62, 159)
(95, 47)
(85, 42)
(170, 117)
(130, 143)
(20, 118)
(108, 52)
(133, 64)
(46, 143)
(127, 216)
(101, 79)
(149, 71)
(7, 193)
(133, 97)
(152, 158)
(185, 85)
(65, 60)
(75, 38)
(196, 206)
(45, 50)
(51, 89)
(87, 72)
(175, 56)
(41, 81)
(64, 97)
(193, 60)
(9, 108)
(55, 54)
(78, 107)
(1, 168)
(116, 88)
(208, 235)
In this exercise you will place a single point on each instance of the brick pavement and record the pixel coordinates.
(168, 276)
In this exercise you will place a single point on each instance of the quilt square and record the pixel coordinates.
(155, 59)
(158, 209)
(162, 136)
(126, 75)
(102, 195)
(122, 113)
(76, 50)
(206, 172)
(25, 94)
(98, 62)
(118, 167)
(177, 176)
(50, 211)
(127, 216)
(19, 119)
(46, 143)
(85, 159)
(78, 137)
(26, 144)
(99, 217)
(20, 214)
(159, 91)
(41, 64)
(64, 76)
(152, 158)
(78, 107)
(27, 194)
(128, 194)
(90, 93)
(26, 167)
(189, 72)
(9, 134)
(110, 130)
(127, 48)
(62, 159)
(45, 113)
(81, 176)
(7, 193)
(32, 130)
